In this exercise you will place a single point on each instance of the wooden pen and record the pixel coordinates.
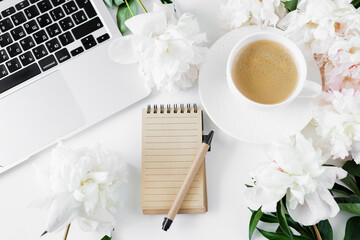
(199, 159)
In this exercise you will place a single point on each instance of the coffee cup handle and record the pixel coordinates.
(310, 90)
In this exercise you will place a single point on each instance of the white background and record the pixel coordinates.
(228, 165)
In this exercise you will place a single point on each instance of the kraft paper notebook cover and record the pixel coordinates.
(171, 137)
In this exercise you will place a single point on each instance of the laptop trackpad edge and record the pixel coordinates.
(35, 116)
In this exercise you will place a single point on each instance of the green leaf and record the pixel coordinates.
(109, 3)
(124, 14)
(106, 238)
(291, 5)
(166, 1)
(273, 236)
(312, 232)
(347, 200)
(352, 230)
(350, 207)
(357, 180)
(254, 220)
(356, 3)
(268, 219)
(118, 2)
(303, 230)
(352, 167)
(280, 214)
(341, 190)
(350, 182)
(43, 233)
(325, 230)
(280, 236)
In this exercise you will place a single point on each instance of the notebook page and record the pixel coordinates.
(170, 143)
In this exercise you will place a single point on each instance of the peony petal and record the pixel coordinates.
(168, 9)
(328, 178)
(289, 18)
(123, 50)
(355, 151)
(44, 202)
(147, 23)
(100, 220)
(62, 211)
(356, 156)
(99, 177)
(319, 205)
(326, 196)
(256, 197)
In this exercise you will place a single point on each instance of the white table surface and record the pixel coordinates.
(227, 169)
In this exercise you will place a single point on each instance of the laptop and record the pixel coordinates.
(56, 78)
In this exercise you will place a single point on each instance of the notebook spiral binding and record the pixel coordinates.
(172, 108)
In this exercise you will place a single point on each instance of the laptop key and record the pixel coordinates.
(19, 77)
(87, 28)
(8, 11)
(57, 2)
(26, 58)
(70, 7)
(53, 45)
(103, 38)
(40, 36)
(31, 12)
(22, 5)
(62, 55)
(14, 49)
(57, 13)
(34, 1)
(47, 63)
(44, 20)
(53, 30)
(3, 71)
(5, 40)
(13, 65)
(18, 33)
(66, 38)
(66, 24)
(87, 6)
(88, 42)
(31, 26)
(27, 43)
(79, 17)
(44, 6)
(40, 52)
(3, 56)
(6, 24)
(77, 51)
(18, 18)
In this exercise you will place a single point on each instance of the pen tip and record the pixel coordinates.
(209, 138)
(166, 224)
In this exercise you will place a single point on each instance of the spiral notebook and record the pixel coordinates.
(171, 137)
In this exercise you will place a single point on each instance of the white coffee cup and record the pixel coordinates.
(304, 87)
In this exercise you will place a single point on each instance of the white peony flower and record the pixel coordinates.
(337, 116)
(168, 49)
(295, 170)
(83, 184)
(238, 13)
(332, 28)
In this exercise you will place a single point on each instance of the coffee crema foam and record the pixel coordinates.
(265, 72)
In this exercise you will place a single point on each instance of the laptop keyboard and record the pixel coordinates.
(37, 35)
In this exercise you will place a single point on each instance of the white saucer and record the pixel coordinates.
(236, 118)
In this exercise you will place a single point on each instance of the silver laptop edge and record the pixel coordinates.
(67, 98)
